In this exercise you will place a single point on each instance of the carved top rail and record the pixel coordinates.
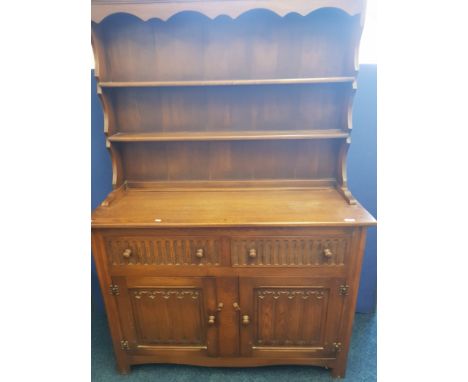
(165, 9)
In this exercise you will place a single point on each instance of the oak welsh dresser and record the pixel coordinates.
(230, 237)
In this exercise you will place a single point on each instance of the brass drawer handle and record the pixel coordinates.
(327, 253)
(245, 319)
(211, 320)
(236, 306)
(127, 253)
(252, 253)
(199, 253)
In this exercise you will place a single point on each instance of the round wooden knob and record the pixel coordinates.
(252, 253)
(127, 253)
(199, 253)
(327, 253)
(245, 320)
(211, 320)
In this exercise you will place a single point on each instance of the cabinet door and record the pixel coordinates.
(169, 316)
(289, 316)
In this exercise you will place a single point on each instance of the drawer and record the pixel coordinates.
(151, 250)
(290, 251)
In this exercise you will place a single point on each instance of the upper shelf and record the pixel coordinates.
(228, 135)
(164, 9)
(277, 81)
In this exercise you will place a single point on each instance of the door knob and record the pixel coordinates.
(245, 320)
(236, 306)
(127, 253)
(211, 320)
(199, 253)
(252, 253)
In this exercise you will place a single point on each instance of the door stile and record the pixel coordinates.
(212, 328)
(246, 287)
(227, 289)
(127, 322)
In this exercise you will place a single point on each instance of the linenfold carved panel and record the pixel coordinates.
(290, 251)
(290, 316)
(168, 316)
(163, 251)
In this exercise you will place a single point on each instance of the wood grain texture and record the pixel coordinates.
(230, 109)
(287, 251)
(221, 272)
(313, 207)
(210, 83)
(257, 46)
(347, 317)
(279, 313)
(229, 160)
(150, 250)
(112, 311)
(227, 292)
(166, 313)
(274, 306)
(228, 136)
(257, 74)
(158, 313)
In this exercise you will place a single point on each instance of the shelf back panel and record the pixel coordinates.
(231, 108)
(230, 160)
(259, 44)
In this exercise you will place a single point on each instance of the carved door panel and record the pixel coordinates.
(164, 315)
(289, 316)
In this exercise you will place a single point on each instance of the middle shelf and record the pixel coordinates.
(231, 82)
(227, 135)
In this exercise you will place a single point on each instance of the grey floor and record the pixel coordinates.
(361, 362)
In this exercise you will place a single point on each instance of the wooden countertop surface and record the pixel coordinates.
(230, 208)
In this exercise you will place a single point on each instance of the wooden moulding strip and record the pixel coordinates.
(227, 135)
(225, 185)
(247, 82)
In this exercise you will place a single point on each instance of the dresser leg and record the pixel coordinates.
(338, 372)
(123, 368)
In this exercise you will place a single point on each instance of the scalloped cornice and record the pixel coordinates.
(164, 9)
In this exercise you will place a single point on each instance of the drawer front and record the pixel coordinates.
(290, 251)
(140, 250)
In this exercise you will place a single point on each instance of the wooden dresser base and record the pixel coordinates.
(163, 307)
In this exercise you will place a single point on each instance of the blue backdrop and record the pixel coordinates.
(362, 174)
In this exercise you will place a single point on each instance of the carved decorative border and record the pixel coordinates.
(166, 294)
(290, 294)
(164, 10)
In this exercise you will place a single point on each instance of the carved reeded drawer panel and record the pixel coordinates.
(289, 251)
(128, 250)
